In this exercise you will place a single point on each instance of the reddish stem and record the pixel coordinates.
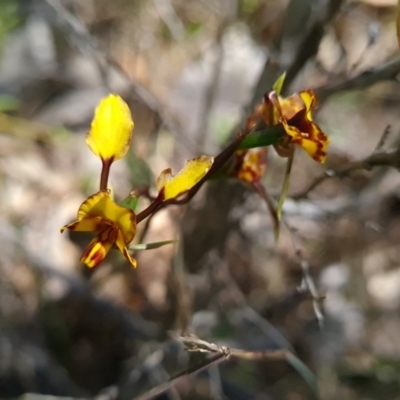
(153, 207)
(105, 172)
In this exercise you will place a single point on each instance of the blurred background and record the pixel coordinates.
(191, 70)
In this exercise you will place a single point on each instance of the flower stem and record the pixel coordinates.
(149, 210)
(285, 186)
(105, 172)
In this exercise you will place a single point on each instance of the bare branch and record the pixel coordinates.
(193, 343)
(188, 373)
(310, 44)
(308, 281)
(365, 79)
(389, 158)
(249, 313)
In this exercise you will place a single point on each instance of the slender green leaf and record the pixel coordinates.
(278, 85)
(285, 187)
(150, 246)
(266, 137)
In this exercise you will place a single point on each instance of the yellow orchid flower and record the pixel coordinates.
(110, 133)
(251, 164)
(111, 130)
(294, 113)
(114, 225)
(172, 186)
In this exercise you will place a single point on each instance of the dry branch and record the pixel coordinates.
(387, 71)
(389, 158)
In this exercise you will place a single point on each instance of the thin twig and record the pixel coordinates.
(159, 374)
(387, 71)
(219, 161)
(383, 138)
(194, 344)
(171, 19)
(195, 369)
(249, 313)
(308, 281)
(269, 201)
(389, 158)
(143, 233)
(311, 42)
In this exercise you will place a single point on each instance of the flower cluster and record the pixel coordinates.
(294, 113)
(109, 139)
(251, 164)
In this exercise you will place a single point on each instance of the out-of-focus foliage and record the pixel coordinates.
(9, 18)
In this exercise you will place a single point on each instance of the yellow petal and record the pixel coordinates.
(290, 129)
(126, 223)
(316, 150)
(266, 111)
(183, 181)
(89, 224)
(122, 247)
(311, 139)
(101, 205)
(94, 205)
(309, 98)
(253, 164)
(291, 105)
(111, 131)
(165, 176)
(99, 247)
(294, 113)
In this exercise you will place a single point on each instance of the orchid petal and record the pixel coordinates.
(172, 187)
(111, 130)
(99, 247)
(122, 247)
(89, 224)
